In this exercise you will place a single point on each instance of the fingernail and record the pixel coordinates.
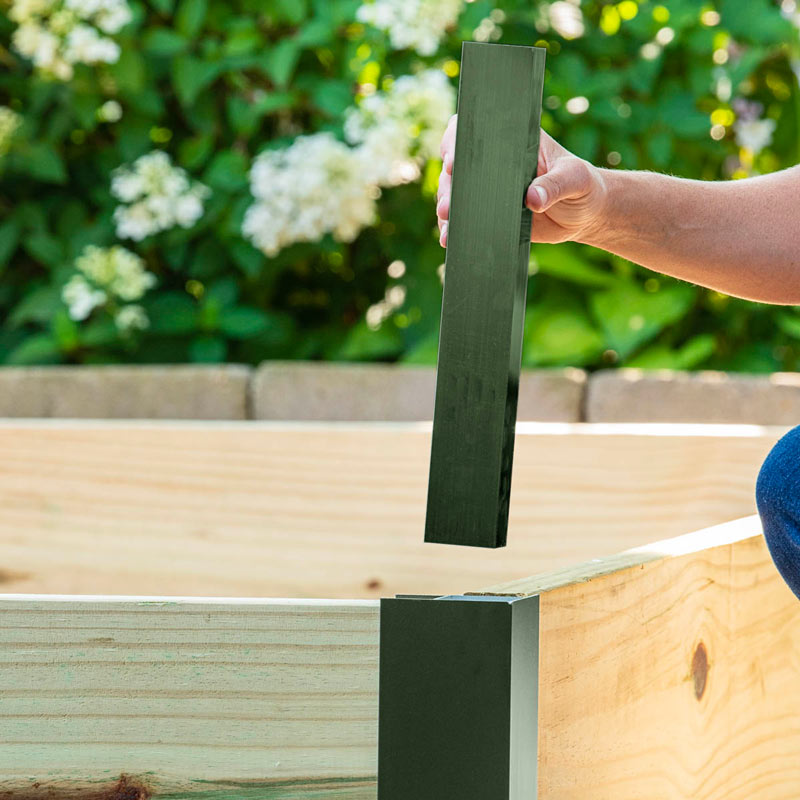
(443, 234)
(542, 194)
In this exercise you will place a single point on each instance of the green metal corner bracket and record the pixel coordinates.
(458, 707)
(483, 306)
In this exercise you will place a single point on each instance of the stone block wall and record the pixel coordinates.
(335, 391)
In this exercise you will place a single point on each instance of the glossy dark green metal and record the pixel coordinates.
(483, 307)
(458, 709)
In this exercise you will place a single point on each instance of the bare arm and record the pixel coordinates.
(738, 237)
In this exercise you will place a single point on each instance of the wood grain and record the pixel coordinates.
(483, 306)
(316, 510)
(671, 673)
(672, 676)
(230, 699)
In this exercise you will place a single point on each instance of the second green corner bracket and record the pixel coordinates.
(483, 306)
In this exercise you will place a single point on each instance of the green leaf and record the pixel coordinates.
(43, 162)
(44, 248)
(99, 333)
(65, 330)
(281, 60)
(241, 322)
(164, 6)
(41, 348)
(364, 344)
(190, 16)
(291, 11)
(242, 114)
(9, 238)
(129, 71)
(559, 333)
(208, 350)
(243, 42)
(631, 316)
(164, 42)
(789, 324)
(194, 152)
(659, 148)
(223, 292)
(689, 356)
(172, 313)
(39, 305)
(426, 351)
(569, 263)
(315, 33)
(333, 97)
(247, 258)
(227, 171)
(190, 76)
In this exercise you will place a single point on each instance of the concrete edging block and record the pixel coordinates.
(126, 392)
(633, 395)
(296, 390)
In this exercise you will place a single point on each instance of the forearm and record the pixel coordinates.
(738, 237)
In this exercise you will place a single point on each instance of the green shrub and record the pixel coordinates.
(670, 87)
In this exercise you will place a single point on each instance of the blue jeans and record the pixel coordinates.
(778, 500)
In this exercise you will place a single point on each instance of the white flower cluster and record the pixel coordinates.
(158, 195)
(417, 24)
(105, 274)
(754, 134)
(319, 185)
(56, 34)
(401, 128)
(9, 122)
(314, 186)
(566, 18)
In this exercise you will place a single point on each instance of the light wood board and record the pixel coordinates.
(672, 672)
(668, 673)
(337, 510)
(230, 699)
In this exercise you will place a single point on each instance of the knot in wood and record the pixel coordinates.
(700, 670)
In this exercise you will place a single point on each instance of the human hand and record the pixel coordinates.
(568, 198)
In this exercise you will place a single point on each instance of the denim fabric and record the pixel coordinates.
(778, 500)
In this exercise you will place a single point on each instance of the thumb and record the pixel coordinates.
(565, 179)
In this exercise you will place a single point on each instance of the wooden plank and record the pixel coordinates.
(260, 509)
(670, 672)
(483, 307)
(187, 698)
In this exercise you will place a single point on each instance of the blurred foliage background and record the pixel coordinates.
(698, 89)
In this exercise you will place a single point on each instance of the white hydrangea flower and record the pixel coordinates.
(118, 271)
(110, 111)
(22, 10)
(107, 274)
(135, 222)
(160, 195)
(417, 24)
(85, 45)
(313, 187)
(56, 34)
(131, 318)
(566, 19)
(81, 297)
(10, 121)
(401, 128)
(754, 134)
